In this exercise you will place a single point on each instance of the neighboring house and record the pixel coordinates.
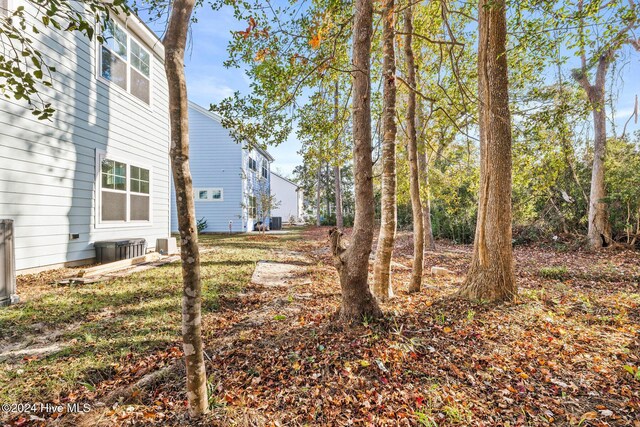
(227, 179)
(99, 169)
(290, 196)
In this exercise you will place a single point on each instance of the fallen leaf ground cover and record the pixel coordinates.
(567, 352)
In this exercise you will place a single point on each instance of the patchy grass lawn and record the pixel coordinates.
(88, 338)
(566, 353)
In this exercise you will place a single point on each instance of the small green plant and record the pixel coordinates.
(470, 315)
(425, 419)
(456, 415)
(214, 402)
(201, 225)
(279, 317)
(366, 320)
(556, 273)
(635, 372)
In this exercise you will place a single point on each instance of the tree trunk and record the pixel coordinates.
(352, 263)
(326, 189)
(599, 231)
(336, 169)
(318, 187)
(382, 288)
(491, 276)
(412, 149)
(429, 243)
(337, 177)
(174, 43)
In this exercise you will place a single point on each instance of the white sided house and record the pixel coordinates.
(227, 179)
(290, 196)
(99, 169)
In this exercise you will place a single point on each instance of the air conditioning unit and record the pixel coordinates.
(7, 264)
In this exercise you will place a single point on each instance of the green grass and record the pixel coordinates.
(104, 326)
(556, 273)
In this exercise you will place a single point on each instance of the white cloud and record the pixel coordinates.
(205, 90)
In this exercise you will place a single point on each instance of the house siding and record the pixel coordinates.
(215, 162)
(48, 177)
(288, 195)
(254, 183)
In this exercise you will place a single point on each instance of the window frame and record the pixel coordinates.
(98, 222)
(253, 164)
(265, 168)
(128, 65)
(253, 208)
(8, 12)
(209, 191)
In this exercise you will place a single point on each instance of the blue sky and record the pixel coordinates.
(209, 81)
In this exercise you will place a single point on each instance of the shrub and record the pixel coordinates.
(556, 272)
(201, 225)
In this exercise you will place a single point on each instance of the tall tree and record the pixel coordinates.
(174, 42)
(382, 287)
(599, 227)
(352, 262)
(599, 231)
(412, 149)
(318, 192)
(423, 150)
(491, 274)
(337, 178)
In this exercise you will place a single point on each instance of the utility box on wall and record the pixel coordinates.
(7, 264)
(167, 246)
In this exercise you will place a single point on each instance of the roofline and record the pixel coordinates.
(218, 118)
(286, 179)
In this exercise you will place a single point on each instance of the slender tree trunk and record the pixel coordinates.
(382, 288)
(318, 188)
(412, 149)
(491, 276)
(337, 177)
(326, 189)
(174, 43)
(429, 242)
(599, 231)
(336, 169)
(352, 262)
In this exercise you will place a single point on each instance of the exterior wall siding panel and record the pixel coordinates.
(217, 161)
(48, 179)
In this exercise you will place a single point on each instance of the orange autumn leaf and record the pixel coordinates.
(260, 55)
(315, 41)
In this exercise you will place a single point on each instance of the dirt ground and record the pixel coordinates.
(567, 352)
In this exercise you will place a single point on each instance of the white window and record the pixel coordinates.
(252, 164)
(208, 194)
(124, 193)
(125, 62)
(265, 169)
(253, 207)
